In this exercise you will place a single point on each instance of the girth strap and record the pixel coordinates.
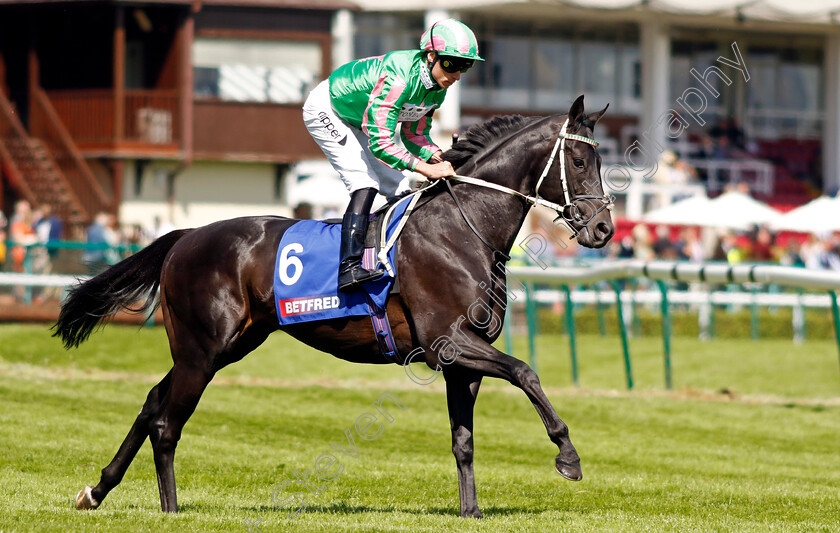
(379, 318)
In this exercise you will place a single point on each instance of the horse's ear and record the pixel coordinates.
(576, 112)
(595, 117)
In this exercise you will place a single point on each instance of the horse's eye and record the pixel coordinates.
(578, 162)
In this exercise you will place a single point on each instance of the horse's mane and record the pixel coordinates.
(482, 137)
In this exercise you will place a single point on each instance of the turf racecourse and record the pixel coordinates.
(761, 456)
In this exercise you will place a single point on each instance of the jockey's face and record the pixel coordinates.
(443, 78)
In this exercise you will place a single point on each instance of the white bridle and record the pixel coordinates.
(559, 147)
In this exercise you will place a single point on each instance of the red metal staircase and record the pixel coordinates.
(47, 168)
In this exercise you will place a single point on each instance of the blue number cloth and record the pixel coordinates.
(306, 274)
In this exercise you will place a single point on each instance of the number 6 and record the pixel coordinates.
(286, 261)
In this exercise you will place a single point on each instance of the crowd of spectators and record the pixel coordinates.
(759, 245)
(34, 240)
(724, 141)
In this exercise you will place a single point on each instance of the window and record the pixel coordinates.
(545, 74)
(251, 70)
(378, 34)
(784, 96)
(629, 80)
(510, 64)
(554, 67)
(526, 68)
(688, 55)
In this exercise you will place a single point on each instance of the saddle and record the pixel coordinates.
(306, 271)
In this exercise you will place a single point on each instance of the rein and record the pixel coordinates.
(607, 202)
(473, 228)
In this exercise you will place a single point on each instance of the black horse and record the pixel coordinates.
(218, 302)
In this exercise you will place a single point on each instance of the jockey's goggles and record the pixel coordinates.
(452, 64)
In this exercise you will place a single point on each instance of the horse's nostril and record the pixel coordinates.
(602, 229)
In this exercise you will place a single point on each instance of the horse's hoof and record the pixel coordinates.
(84, 500)
(570, 471)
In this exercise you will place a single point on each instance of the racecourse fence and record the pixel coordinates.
(709, 286)
(751, 286)
(60, 256)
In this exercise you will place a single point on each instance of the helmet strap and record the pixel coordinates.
(431, 64)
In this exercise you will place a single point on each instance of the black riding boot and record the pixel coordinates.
(351, 275)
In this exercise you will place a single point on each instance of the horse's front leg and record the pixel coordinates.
(482, 358)
(461, 391)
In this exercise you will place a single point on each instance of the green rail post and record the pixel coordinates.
(753, 315)
(531, 314)
(622, 328)
(666, 332)
(599, 308)
(27, 267)
(636, 322)
(836, 312)
(570, 327)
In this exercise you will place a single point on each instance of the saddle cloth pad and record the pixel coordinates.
(306, 274)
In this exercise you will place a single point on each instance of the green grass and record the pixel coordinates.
(761, 459)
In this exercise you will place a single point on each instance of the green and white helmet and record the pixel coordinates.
(451, 38)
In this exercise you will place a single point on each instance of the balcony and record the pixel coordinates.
(148, 125)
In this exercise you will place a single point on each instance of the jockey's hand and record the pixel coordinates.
(436, 170)
(437, 157)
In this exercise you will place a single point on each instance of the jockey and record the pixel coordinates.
(354, 115)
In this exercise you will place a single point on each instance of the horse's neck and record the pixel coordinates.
(517, 164)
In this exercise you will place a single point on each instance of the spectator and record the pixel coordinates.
(723, 150)
(791, 255)
(49, 228)
(814, 253)
(832, 246)
(705, 149)
(691, 246)
(662, 247)
(762, 246)
(672, 174)
(99, 239)
(22, 237)
(22, 234)
(161, 227)
(135, 237)
(624, 249)
(727, 249)
(303, 211)
(642, 243)
(727, 132)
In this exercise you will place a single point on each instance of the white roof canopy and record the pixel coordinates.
(734, 210)
(814, 11)
(818, 216)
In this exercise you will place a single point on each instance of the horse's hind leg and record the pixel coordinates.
(91, 497)
(188, 383)
(196, 363)
(461, 391)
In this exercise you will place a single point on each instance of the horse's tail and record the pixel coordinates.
(119, 287)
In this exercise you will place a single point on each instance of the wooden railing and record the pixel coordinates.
(149, 117)
(152, 117)
(78, 178)
(12, 135)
